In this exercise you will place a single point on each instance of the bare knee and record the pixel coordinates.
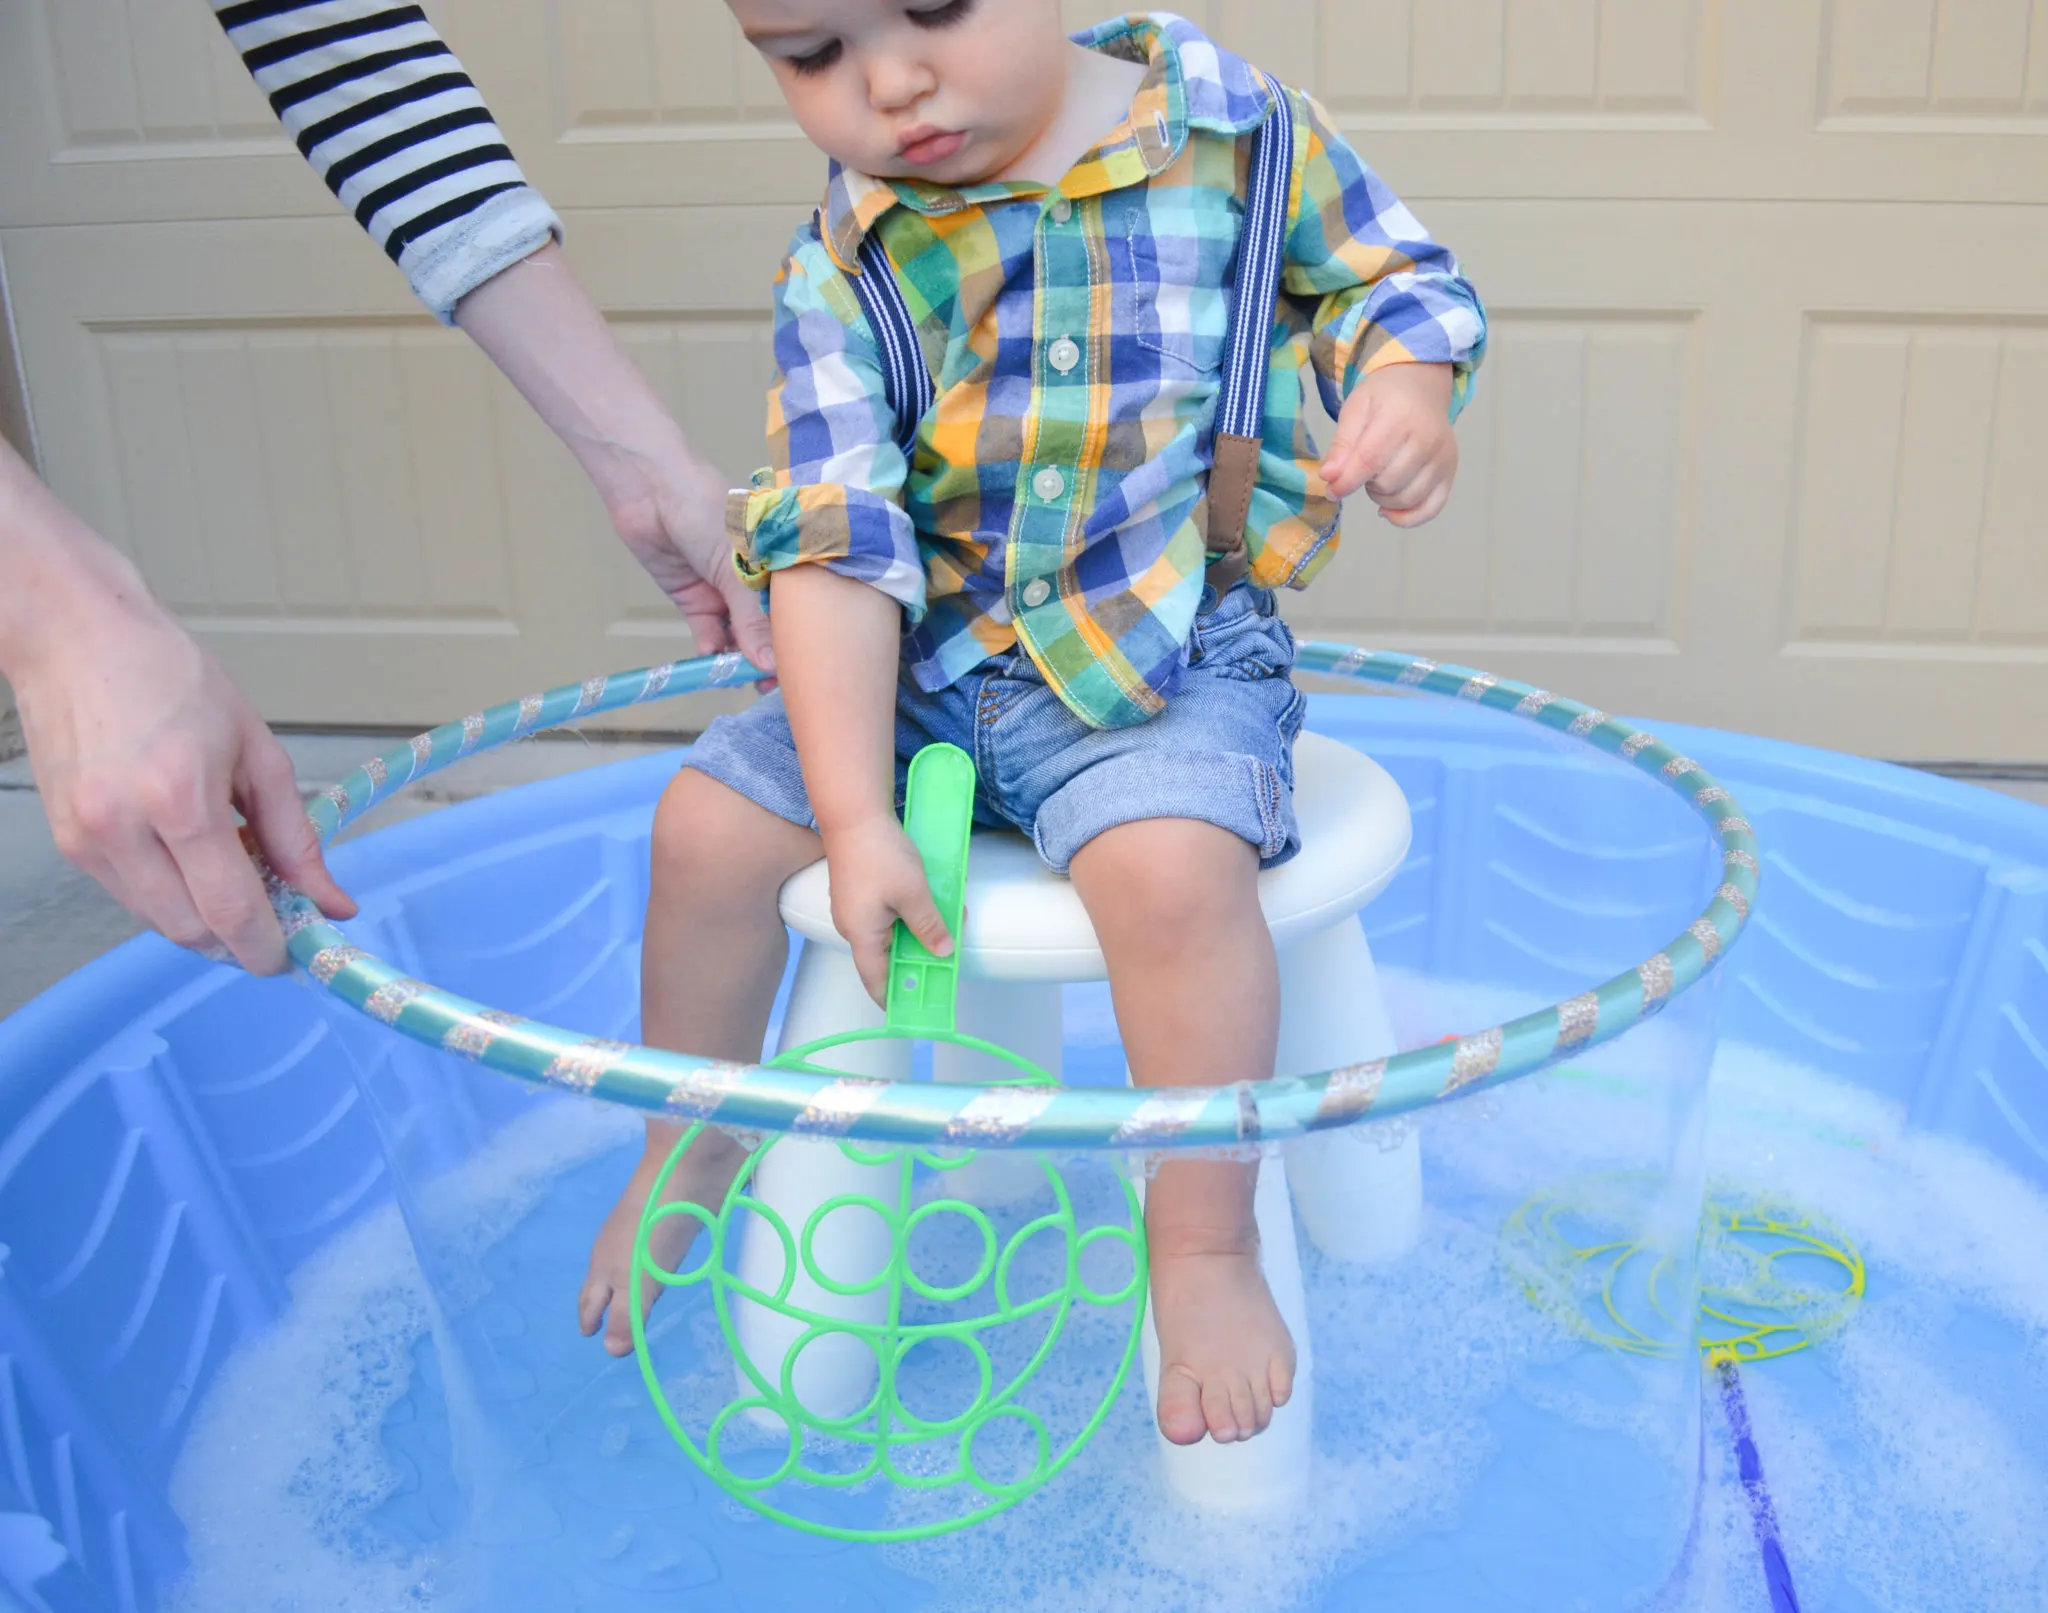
(717, 851)
(1168, 878)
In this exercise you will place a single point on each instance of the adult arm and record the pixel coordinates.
(388, 119)
(142, 747)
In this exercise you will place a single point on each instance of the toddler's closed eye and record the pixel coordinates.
(817, 61)
(940, 16)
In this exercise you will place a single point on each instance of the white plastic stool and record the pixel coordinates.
(1026, 934)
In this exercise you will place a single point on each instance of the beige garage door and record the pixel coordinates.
(1761, 443)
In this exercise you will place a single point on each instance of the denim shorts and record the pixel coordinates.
(1221, 752)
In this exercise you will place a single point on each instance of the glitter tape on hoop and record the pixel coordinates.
(760, 1098)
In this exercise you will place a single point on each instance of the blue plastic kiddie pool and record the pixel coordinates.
(1745, 1307)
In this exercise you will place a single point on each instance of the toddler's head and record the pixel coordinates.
(951, 91)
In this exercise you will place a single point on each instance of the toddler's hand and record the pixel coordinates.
(877, 878)
(1394, 439)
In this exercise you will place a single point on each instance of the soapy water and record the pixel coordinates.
(290, 1457)
(1907, 1454)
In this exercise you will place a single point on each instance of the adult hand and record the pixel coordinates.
(670, 513)
(142, 746)
(541, 329)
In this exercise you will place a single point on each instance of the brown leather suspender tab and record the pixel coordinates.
(1232, 478)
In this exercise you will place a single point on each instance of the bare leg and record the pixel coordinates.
(1197, 988)
(710, 963)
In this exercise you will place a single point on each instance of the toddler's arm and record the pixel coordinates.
(827, 534)
(832, 493)
(1397, 330)
(836, 644)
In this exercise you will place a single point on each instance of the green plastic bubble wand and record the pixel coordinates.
(883, 1437)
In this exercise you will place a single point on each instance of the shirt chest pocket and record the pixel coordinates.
(1175, 298)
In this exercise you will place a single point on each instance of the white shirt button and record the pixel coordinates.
(1063, 354)
(1036, 592)
(1062, 210)
(1048, 484)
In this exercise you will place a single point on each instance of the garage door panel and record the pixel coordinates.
(1570, 515)
(321, 491)
(1986, 53)
(1579, 56)
(1552, 53)
(1537, 474)
(127, 76)
(2012, 596)
(1919, 442)
(623, 64)
(131, 107)
(1921, 57)
(345, 472)
(1438, 577)
(144, 392)
(1945, 443)
(1856, 379)
(381, 479)
(1638, 430)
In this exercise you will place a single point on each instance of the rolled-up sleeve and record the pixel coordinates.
(386, 116)
(1378, 289)
(832, 493)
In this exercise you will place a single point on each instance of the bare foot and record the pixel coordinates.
(701, 1177)
(1225, 1357)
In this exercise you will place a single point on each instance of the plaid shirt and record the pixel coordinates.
(1056, 494)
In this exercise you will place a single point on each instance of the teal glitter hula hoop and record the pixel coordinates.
(760, 1098)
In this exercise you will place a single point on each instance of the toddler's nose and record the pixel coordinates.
(898, 82)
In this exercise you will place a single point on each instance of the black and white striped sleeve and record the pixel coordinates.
(385, 114)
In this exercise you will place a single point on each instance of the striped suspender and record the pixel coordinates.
(1241, 408)
(908, 378)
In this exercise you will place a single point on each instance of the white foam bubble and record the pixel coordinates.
(1918, 1479)
(1897, 1467)
(284, 1460)
(1408, 1365)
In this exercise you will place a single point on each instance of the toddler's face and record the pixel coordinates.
(951, 91)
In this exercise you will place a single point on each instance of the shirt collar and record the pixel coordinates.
(1190, 83)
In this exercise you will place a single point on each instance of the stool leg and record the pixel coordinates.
(1273, 1468)
(1360, 1189)
(1023, 1016)
(835, 1375)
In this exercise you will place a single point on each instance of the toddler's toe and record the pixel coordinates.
(618, 1327)
(1262, 1405)
(591, 1304)
(1182, 1417)
(1218, 1411)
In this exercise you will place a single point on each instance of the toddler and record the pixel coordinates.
(1035, 568)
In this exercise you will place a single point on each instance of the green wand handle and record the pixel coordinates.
(938, 815)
